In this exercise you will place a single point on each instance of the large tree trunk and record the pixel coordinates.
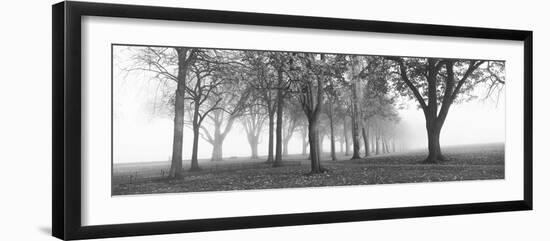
(366, 141)
(314, 144)
(433, 126)
(434, 148)
(355, 119)
(177, 143)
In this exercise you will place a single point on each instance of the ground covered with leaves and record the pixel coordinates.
(480, 162)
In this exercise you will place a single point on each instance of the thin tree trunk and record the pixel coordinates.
(346, 138)
(194, 155)
(280, 104)
(270, 137)
(378, 147)
(332, 140)
(355, 138)
(304, 141)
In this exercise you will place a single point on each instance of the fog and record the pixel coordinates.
(141, 134)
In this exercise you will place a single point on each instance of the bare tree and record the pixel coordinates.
(169, 65)
(204, 95)
(233, 99)
(253, 120)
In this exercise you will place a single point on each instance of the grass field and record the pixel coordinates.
(472, 162)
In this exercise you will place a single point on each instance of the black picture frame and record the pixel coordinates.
(66, 127)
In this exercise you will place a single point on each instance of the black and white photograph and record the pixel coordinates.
(277, 120)
(192, 119)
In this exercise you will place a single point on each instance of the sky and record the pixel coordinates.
(141, 135)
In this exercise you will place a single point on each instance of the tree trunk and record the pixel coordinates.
(177, 143)
(194, 155)
(341, 146)
(279, 141)
(314, 144)
(378, 147)
(355, 138)
(196, 133)
(346, 139)
(355, 124)
(434, 148)
(366, 141)
(433, 126)
(304, 142)
(270, 137)
(217, 143)
(372, 142)
(332, 141)
(217, 150)
(253, 141)
(320, 140)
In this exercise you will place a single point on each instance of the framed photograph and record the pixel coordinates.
(172, 120)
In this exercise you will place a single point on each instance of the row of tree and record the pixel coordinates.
(349, 99)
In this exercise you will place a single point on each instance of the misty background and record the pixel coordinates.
(142, 134)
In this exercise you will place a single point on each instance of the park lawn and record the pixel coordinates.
(479, 162)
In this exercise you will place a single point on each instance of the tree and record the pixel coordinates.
(309, 74)
(279, 61)
(204, 95)
(308, 80)
(263, 82)
(437, 83)
(355, 89)
(253, 120)
(293, 117)
(169, 65)
(334, 92)
(305, 141)
(234, 98)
